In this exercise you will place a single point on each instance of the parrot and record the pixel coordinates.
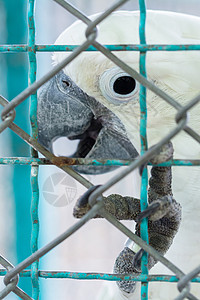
(95, 101)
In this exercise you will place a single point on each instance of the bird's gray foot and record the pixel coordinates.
(163, 212)
(164, 215)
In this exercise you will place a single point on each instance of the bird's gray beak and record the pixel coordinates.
(65, 110)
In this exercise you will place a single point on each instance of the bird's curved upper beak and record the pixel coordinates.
(65, 110)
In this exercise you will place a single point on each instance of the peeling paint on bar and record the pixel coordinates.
(34, 154)
(144, 147)
(100, 276)
(90, 161)
(130, 47)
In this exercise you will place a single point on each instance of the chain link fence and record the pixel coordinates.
(11, 273)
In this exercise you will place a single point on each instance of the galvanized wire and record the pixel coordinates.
(12, 286)
(8, 115)
(42, 251)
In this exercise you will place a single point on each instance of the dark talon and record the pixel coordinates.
(151, 209)
(141, 168)
(137, 260)
(82, 206)
(157, 209)
(83, 200)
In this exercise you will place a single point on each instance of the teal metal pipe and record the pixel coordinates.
(34, 134)
(100, 276)
(68, 48)
(16, 27)
(144, 147)
(90, 161)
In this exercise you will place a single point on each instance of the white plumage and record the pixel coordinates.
(177, 73)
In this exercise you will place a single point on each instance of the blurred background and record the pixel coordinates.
(95, 246)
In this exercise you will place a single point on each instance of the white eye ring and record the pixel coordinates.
(117, 86)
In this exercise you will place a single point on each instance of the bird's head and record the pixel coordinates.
(95, 101)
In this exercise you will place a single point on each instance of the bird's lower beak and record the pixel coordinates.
(65, 110)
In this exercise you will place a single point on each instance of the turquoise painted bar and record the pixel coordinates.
(34, 154)
(99, 276)
(88, 161)
(144, 147)
(67, 48)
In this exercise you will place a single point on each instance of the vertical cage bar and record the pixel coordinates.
(16, 80)
(34, 131)
(144, 146)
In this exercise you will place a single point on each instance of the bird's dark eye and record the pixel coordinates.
(118, 86)
(66, 83)
(124, 85)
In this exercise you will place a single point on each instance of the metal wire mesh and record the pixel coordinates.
(12, 273)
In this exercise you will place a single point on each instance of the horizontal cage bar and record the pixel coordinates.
(100, 276)
(68, 48)
(68, 161)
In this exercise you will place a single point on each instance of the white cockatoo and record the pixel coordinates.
(96, 101)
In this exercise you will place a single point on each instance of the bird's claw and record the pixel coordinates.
(157, 209)
(151, 209)
(82, 206)
(137, 259)
(164, 215)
